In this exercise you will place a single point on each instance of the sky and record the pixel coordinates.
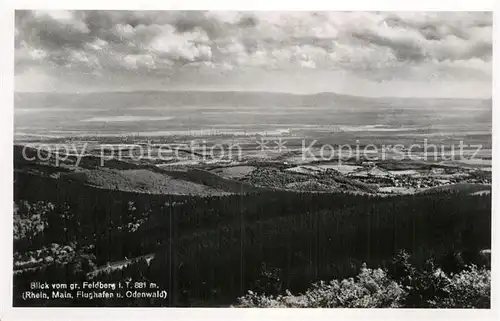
(408, 54)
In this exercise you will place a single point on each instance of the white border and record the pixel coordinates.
(6, 195)
(360, 5)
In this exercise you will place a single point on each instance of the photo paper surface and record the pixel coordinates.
(252, 159)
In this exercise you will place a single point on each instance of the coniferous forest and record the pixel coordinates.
(209, 251)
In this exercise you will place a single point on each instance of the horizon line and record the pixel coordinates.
(249, 91)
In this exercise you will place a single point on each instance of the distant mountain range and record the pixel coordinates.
(224, 98)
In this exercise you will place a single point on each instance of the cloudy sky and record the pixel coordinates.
(360, 53)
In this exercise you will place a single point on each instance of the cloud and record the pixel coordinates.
(372, 45)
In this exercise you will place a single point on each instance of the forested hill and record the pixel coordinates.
(213, 248)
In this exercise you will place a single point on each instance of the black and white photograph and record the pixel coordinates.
(252, 159)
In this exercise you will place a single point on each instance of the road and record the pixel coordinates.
(116, 265)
